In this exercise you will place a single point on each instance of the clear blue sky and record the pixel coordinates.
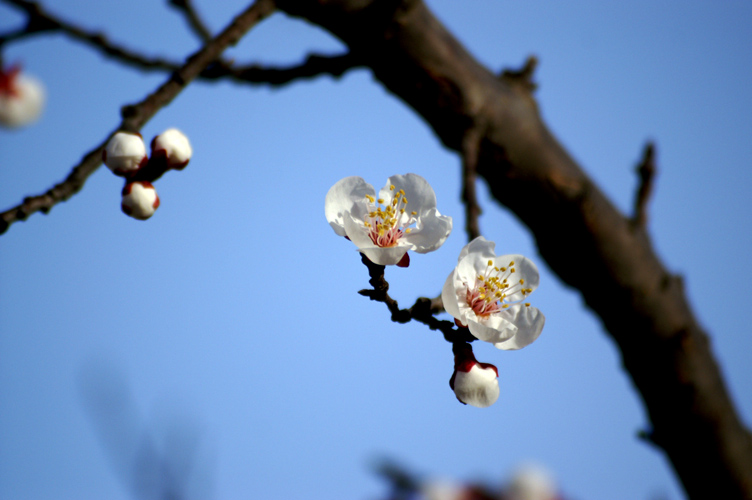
(228, 327)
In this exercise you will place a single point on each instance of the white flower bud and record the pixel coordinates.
(473, 383)
(532, 482)
(443, 490)
(125, 154)
(140, 200)
(22, 98)
(478, 386)
(173, 145)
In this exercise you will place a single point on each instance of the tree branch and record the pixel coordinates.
(194, 20)
(40, 21)
(136, 115)
(314, 65)
(646, 171)
(470, 148)
(582, 236)
(422, 311)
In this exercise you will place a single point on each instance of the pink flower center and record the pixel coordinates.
(478, 303)
(491, 291)
(386, 224)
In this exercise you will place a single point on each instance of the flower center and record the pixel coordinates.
(492, 289)
(386, 224)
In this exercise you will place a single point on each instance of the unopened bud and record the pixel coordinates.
(532, 482)
(174, 146)
(22, 98)
(125, 154)
(140, 200)
(473, 383)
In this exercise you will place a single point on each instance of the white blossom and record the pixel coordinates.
(174, 146)
(140, 200)
(403, 217)
(125, 153)
(487, 294)
(22, 98)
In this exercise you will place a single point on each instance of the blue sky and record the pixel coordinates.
(228, 328)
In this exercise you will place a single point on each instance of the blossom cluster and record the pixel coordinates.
(125, 155)
(487, 294)
(22, 98)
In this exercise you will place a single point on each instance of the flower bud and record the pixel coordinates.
(532, 482)
(443, 490)
(125, 154)
(140, 200)
(21, 98)
(473, 383)
(173, 145)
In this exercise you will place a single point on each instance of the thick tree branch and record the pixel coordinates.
(583, 237)
(136, 115)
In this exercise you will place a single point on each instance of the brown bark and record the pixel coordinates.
(583, 237)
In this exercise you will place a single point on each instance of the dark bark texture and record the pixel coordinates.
(583, 237)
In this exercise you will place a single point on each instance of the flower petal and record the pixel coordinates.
(389, 256)
(479, 244)
(346, 196)
(524, 269)
(529, 322)
(383, 256)
(449, 297)
(430, 233)
(420, 195)
(472, 265)
(494, 329)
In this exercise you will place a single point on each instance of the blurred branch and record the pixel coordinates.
(470, 148)
(194, 20)
(41, 21)
(522, 77)
(314, 65)
(404, 485)
(136, 115)
(579, 232)
(422, 311)
(167, 468)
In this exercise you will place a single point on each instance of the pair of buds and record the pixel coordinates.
(125, 155)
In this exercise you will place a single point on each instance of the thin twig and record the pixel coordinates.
(136, 115)
(422, 311)
(194, 20)
(646, 170)
(315, 64)
(523, 76)
(470, 147)
(41, 21)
